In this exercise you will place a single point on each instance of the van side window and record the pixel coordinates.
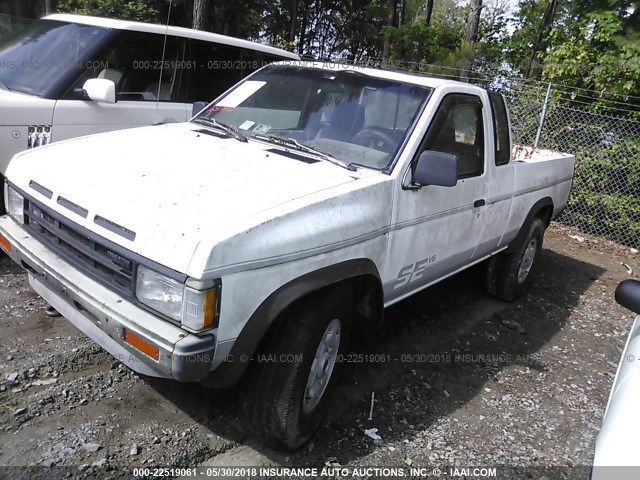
(218, 67)
(501, 128)
(134, 62)
(215, 67)
(253, 60)
(458, 129)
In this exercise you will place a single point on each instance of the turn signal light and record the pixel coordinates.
(5, 243)
(141, 344)
(209, 308)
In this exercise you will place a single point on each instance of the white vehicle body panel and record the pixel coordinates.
(615, 453)
(218, 208)
(76, 118)
(17, 112)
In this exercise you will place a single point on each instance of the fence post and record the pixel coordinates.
(542, 115)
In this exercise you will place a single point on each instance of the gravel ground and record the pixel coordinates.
(462, 379)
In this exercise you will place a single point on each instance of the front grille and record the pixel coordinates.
(108, 265)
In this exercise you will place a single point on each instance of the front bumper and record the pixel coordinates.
(103, 315)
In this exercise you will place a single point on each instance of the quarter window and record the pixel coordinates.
(501, 128)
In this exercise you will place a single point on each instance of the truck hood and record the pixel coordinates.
(169, 186)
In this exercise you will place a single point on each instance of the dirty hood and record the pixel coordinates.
(169, 186)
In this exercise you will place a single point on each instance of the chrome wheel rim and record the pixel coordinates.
(527, 260)
(322, 366)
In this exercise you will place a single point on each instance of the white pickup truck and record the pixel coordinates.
(256, 239)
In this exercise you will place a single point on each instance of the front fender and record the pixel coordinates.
(246, 344)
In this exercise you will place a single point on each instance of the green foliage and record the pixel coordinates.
(138, 10)
(595, 56)
(421, 42)
(442, 41)
(604, 197)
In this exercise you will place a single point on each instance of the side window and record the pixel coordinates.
(252, 60)
(501, 128)
(218, 67)
(134, 62)
(458, 129)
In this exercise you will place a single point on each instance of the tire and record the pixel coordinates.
(2, 206)
(279, 402)
(509, 273)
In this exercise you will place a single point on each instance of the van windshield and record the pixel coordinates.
(38, 58)
(348, 115)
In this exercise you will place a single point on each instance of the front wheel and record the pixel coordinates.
(285, 392)
(2, 206)
(509, 273)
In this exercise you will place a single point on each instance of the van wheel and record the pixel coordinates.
(285, 392)
(509, 273)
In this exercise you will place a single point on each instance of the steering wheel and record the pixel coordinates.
(376, 138)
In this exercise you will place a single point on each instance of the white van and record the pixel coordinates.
(69, 75)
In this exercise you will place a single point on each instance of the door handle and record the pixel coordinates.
(479, 203)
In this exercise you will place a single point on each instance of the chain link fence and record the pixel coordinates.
(602, 131)
(605, 197)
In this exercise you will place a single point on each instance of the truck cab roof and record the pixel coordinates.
(417, 78)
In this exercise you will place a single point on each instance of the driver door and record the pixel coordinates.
(435, 230)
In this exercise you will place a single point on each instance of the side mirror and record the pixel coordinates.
(628, 295)
(197, 107)
(436, 168)
(100, 90)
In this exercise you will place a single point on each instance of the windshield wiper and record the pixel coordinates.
(4, 86)
(293, 143)
(228, 129)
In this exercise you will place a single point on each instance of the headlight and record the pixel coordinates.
(160, 292)
(15, 204)
(194, 309)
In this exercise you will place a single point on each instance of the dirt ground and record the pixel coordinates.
(463, 380)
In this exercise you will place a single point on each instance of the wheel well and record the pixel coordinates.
(368, 303)
(542, 209)
(545, 214)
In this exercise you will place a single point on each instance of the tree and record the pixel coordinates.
(391, 19)
(49, 6)
(473, 22)
(294, 18)
(540, 39)
(470, 38)
(202, 15)
(493, 35)
(428, 11)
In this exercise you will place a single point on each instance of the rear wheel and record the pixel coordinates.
(284, 396)
(509, 273)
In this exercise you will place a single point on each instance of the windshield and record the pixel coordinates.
(352, 117)
(37, 58)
